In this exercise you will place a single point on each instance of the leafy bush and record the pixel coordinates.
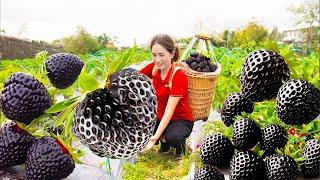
(249, 36)
(81, 43)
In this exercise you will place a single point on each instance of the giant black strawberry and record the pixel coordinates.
(48, 159)
(233, 105)
(117, 121)
(246, 165)
(262, 75)
(24, 98)
(273, 137)
(63, 69)
(208, 172)
(246, 134)
(14, 143)
(281, 167)
(216, 150)
(311, 153)
(298, 102)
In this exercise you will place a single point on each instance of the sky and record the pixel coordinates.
(139, 20)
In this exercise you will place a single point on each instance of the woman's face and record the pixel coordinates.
(161, 57)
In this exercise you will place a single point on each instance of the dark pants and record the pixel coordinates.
(176, 133)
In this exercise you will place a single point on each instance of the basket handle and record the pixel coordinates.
(203, 36)
(203, 41)
(189, 47)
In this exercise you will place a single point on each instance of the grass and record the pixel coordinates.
(152, 165)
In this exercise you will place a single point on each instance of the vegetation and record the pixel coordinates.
(232, 48)
(308, 17)
(85, 43)
(151, 165)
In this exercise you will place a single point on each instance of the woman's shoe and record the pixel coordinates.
(164, 148)
(180, 151)
(178, 157)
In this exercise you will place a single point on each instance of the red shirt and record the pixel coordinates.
(179, 89)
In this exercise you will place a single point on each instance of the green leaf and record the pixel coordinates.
(295, 153)
(309, 127)
(67, 129)
(122, 61)
(65, 114)
(300, 159)
(260, 153)
(244, 114)
(228, 132)
(316, 124)
(42, 55)
(287, 150)
(293, 140)
(38, 134)
(87, 82)
(58, 107)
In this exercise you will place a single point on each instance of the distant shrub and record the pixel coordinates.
(80, 43)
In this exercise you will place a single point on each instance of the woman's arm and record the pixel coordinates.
(171, 106)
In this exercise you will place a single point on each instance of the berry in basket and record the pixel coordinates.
(198, 62)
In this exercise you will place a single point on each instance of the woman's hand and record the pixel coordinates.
(150, 144)
(171, 105)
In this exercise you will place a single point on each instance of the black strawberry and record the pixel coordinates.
(298, 102)
(208, 172)
(198, 62)
(273, 137)
(24, 98)
(119, 120)
(48, 159)
(311, 153)
(281, 167)
(246, 134)
(14, 143)
(63, 69)
(216, 150)
(246, 165)
(233, 105)
(262, 75)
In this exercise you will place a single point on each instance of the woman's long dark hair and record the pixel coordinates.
(167, 42)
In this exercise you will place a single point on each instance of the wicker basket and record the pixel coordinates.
(201, 88)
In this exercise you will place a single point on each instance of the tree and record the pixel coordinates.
(106, 41)
(249, 36)
(81, 43)
(226, 37)
(275, 34)
(308, 15)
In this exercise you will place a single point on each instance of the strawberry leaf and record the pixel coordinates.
(58, 107)
(86, 81)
